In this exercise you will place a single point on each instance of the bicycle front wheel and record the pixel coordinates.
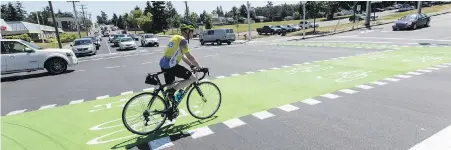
(203, 100)
(144, 113)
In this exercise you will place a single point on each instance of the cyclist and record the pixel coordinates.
(177, 50)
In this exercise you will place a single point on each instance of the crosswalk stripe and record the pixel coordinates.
(47, 106)
(288, 108)
(365, 87)
(348, 91)
(414, 73)
(263, 115)
(76, 102)
(403, 76)
(16, 112)
(311, 101)
(392, 79)
(378, 83)
(330, 96)
(200, 132)
(235, 122)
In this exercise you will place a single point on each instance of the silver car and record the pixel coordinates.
(149, 39)
(127, 43)
(84, 46)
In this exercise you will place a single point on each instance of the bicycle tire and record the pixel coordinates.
(194, 89)
(151, 101)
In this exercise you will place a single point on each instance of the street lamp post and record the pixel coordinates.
(303, 18)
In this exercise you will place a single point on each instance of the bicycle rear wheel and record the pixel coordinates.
(205, 94)
(144, 113)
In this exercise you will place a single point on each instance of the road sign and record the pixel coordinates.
(359, 7)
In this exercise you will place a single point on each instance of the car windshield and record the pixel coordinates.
(82, 42)
(34, 46)
(410, 17)
(126, 39)
(149, 36)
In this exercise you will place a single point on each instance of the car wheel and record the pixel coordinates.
(56, 66)
(259, 33)
(202, 42)
(427, 24)
(414, 27)
(228, 43)
(219, 42)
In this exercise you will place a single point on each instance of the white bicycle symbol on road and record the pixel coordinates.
(309, 68)
(346, 76)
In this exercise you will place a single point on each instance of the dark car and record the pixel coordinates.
(412, 21)
(266, 30)
(283, 28)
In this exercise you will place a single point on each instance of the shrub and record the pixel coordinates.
(24, 37)
(67, 37)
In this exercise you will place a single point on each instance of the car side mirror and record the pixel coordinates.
(28, 50)
(71, 45)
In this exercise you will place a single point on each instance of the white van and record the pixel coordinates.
(218, 36)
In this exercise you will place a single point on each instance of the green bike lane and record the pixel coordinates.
(98, 125)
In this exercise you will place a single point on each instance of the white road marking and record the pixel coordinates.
(365, 87)
(434, 68)
(285, 66)
(438, 141)
(211, 55)
(392, 79)
(404, 76)
(306, 63)
(275, 68)
(47, 106)
(16, 112)
(348, 91)
(79, 70)
(263, 115)
(102, 97)
(148, 89)
(104, 58)
(249, 72)
(414, 73)
(126, 93)
(394, 38)
(160, 143)
(447, 64)
(262, 70)
(342, 57)
(235, 74)
(220, 77)
(421, 70)
(237, 53)
(330, 96)
(297, 64)
(235, 122)
(311, 101)
(200, 132)
(108, 46)
(76, 102)
(111, 67)
(378, 83)
(442, 66)
(147, 62)
(288, 108)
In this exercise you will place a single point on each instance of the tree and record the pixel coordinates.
(159, 17)
(176, 19)
(296, 15)
(148, 8)
(243, 11)
(4, 11)
(312, 10)
(133, 17)
(335, 6)
(21, 13)
(285, 11)
(114, 19)
(270, 11)
(32, 17)
(11, 13)
(120, 22)
(103, 18)
(193, 18)
(63, 14)
(235, 14)
(171, 14)
(145, 22)
(207, 21)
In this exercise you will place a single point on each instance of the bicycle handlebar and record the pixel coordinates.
(204, 70)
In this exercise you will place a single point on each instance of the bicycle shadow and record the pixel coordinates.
(174, 132)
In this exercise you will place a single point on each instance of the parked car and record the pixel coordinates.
(84, 46)
(283, 28)
(276, 29)
(266, 30)
(289, 28)
(117, 38)
(304, 24)
(296, 27)
(22, 56)
(218, 36)
(149, 39)
(405, 8)
(412, 21)
(135, 37)
(127, 43)
(95, 40)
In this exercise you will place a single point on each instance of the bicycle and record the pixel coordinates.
(170, 106)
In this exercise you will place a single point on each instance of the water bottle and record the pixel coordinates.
(178, 96)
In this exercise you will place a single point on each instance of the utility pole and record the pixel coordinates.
(303, 19)
(84, 18)
(419, 6)
(55, 25)
(368, 14)
(249, 20)
(76, 18)
(39, 24)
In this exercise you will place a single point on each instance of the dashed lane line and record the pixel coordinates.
(378, 83)
(330, 96)
(235, 74)
(220, 77)
(263, 115)
(126, 93)
(102, 97)
(348, 91)
(365, 87)
(76, 102)
(392, 79)
(200, 132)
(311, 101)
(148, 89)
(16, 112)
(111, 67)
(47, 106)
(422, 70)
(288, 108)
(404, 76)
(414, 73)
(235, 122)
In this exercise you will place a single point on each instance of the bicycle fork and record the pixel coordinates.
(200, 93)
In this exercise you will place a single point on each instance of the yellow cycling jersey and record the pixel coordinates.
(173, 52)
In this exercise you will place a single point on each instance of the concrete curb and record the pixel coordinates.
(315, 36)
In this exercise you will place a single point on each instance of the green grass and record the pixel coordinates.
(426, 10)
(82, 33)
(49, 45)
(254, 26)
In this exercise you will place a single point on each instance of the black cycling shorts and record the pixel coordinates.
(176, 71)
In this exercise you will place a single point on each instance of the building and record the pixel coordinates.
(66, 23)
(34, 31)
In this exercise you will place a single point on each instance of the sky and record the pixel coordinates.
(121, 7)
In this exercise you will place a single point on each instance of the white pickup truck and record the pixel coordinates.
(22, 56)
